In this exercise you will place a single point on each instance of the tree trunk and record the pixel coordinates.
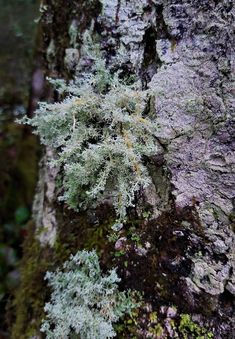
(182, 50)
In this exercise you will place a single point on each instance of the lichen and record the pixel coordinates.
(102, 134)
(84, 302)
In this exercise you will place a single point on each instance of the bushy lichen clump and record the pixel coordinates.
(102, 135)
(84, 302)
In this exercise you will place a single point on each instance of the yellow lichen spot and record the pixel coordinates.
(127, 139)
(79, 101)
(142, 120)
(136, 167)
(119, 198)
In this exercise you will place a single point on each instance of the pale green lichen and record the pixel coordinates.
(84, 302)
(102, 134)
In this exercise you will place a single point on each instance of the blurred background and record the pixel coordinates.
(19, 149)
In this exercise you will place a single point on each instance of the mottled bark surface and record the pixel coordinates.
(183, 51)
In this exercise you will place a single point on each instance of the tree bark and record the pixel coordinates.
(183, 50)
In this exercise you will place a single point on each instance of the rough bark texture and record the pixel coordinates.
(182, 49)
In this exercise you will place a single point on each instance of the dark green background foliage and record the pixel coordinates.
(18, 165)
(16, 41)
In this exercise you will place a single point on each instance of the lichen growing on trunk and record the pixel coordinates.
(185, 49)
(102, 136)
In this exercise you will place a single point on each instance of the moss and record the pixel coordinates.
(78, 231)
(31, 295)
(189, 329)
(128, 327)
(85, 232)
(145, 322)
(157, 273)
(157, 330)
(90, 230)
(97, 237)
(30, 298)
